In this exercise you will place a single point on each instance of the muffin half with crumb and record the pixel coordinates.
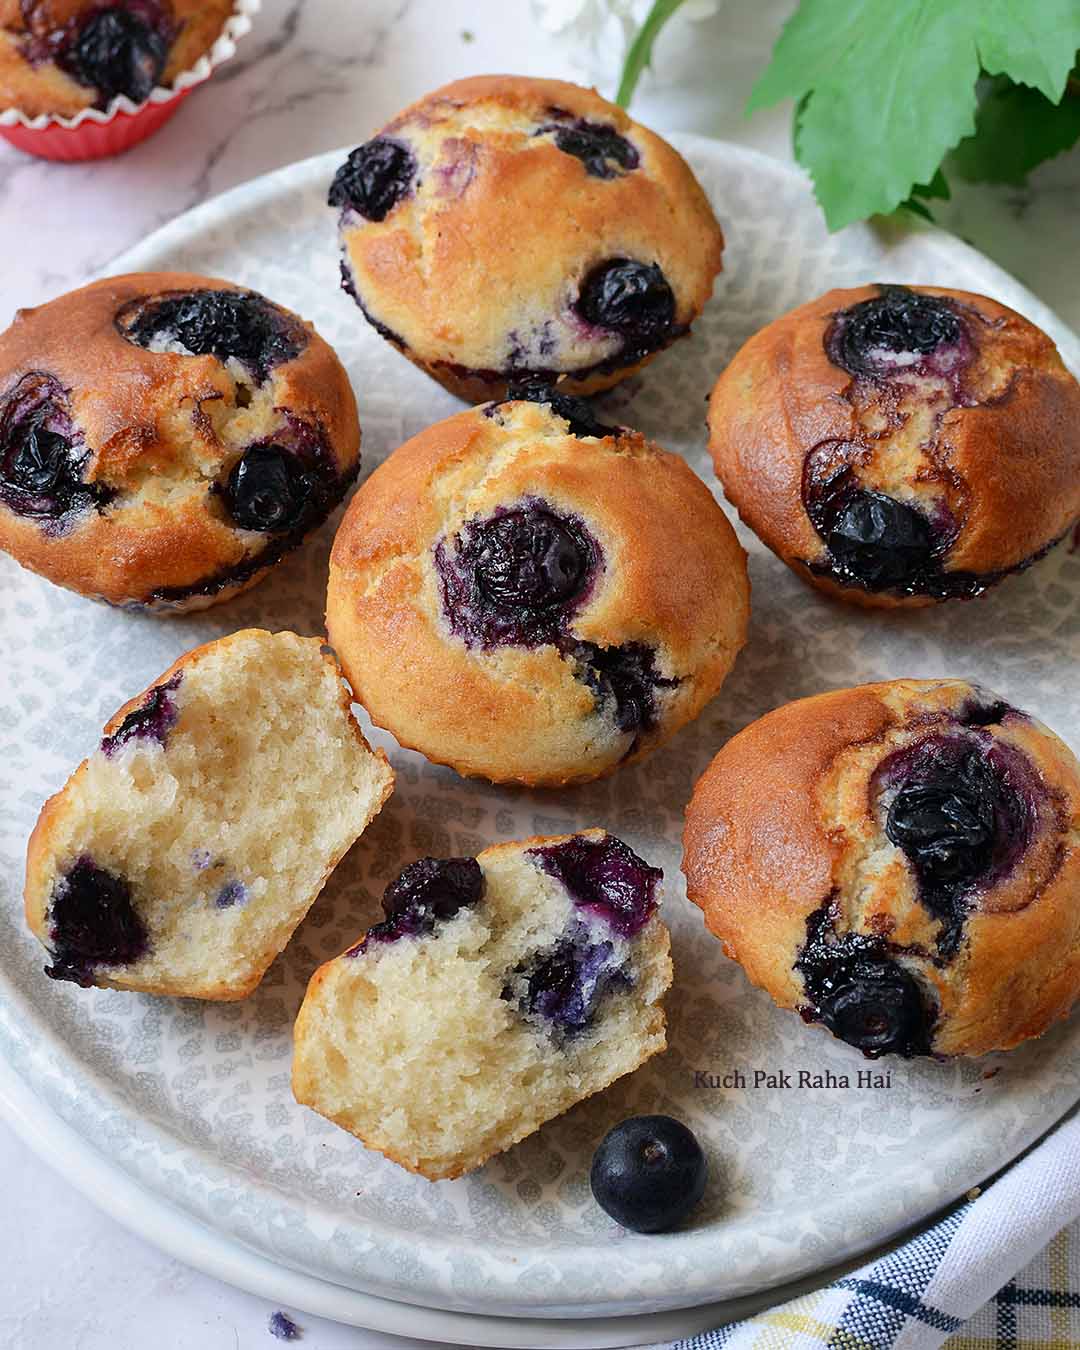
(497, 992)
(176, 860)
(166, 438)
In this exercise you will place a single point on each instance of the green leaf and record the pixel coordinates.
(640, 53)
(1016, 128)
(887, 87)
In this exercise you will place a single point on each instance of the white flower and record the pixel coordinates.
(600, 31)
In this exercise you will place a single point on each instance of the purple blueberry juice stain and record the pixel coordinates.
(43, 456)
(231, 894)
(92, 922)
(857, 988)
(900, 332)
(427, 893)
(456, 167)
(283, 1328)
(600, 148)
(228, 325)
(565, 984)
(604, 877)
(201, 859)
(374, 178)
(963, 808)
(516, 577)
(151, 721)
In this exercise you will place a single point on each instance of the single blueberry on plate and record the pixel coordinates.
(426, 893)
(649, 1173)
(631, 298)
(374, 178)
(231, 325)
(117, 52)
(600, 148)
(894, 331)
(151, 721)
(624, 679)
(578, 412)
(864, 996)
(606, 878)
(92, 922)
(565, 984)
(268, 489)
(517, 576)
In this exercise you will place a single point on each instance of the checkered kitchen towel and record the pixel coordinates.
(957, 1283)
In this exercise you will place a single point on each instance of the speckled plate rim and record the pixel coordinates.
(23, 1039)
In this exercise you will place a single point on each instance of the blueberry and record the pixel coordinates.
(41, 461)
(894, 330)
(152, 720)
(374, 178)
(231, 325)
(629, 298)
(427, 892)
(565, 984)
(648, 1173)
(117, 52)
(232, 893)
(92, 921)
(578, 412)
(945, 827)
(878, 541)
(517, 576)
(600, 148)
(283, 1328)
(604, 877)
(268, 489)
(623, 679)
(860, 993)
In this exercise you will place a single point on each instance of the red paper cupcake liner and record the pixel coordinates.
(97, 135)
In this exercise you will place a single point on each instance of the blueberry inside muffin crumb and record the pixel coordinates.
(426, 893)
(92, 921)
(898, 331)
(119, 51)
(606, 878)
(374, 178)
(604, 153)
(564, 985)
(151, 721)
(42, 455)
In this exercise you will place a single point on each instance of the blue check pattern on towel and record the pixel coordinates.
(957, 1284)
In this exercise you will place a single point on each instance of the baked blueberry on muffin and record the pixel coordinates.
(528, 596)
(61, 56)
(497, 992)
(899, 862)
(506, 228)
(900, 445)
(166, 438)
(173, 861)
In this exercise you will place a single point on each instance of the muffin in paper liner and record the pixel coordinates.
(96, 133)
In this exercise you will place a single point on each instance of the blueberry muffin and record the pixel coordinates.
(172, 861)
(497, 992)
(166, 438)
(900, 445)
(61, 56)
(529, 596)
(899, 862)
(506, 228)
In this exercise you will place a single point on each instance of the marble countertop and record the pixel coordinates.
(315, 75)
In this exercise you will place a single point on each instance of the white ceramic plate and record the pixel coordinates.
(191, 1101)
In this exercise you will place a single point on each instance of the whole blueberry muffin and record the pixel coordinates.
(498, 992)
(61, 56)
(899, 862)
(166, 438)
(900, 445)
(529, 596)
(172, 861)
(506, 228)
